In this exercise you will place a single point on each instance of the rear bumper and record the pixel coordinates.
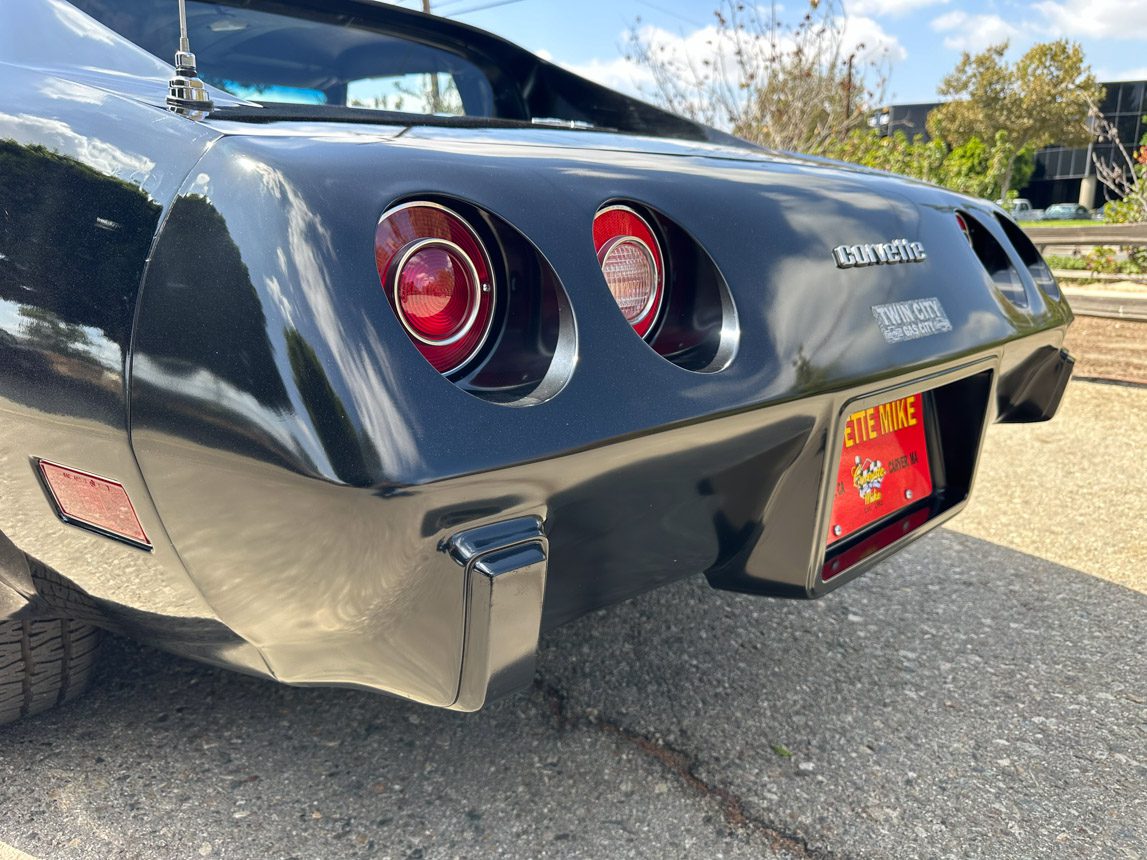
(790, 557)
(438, 592)
(1033, 391)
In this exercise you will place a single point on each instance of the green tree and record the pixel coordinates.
(981, 170)
(1041, 99)
(895, 153)
(972, 168)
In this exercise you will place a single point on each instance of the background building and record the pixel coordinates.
(1062, 174)
(910, 119)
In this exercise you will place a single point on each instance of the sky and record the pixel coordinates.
(922, 39)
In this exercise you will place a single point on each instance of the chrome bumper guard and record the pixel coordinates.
(505, 580)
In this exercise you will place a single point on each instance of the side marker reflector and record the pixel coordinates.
(89, 500)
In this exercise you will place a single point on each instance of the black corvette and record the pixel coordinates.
(369, 345)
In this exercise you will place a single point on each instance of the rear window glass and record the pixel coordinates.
(273, 93)
(433, 93)
(272, 58)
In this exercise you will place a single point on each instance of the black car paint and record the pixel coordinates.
(201, 369)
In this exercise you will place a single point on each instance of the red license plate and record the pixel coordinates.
(883, 465)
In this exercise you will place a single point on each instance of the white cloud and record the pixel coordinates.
(697, 49)
(889, 7)
(1107, 19)
(973, 33)
(619, 74)
(1138, 73)
(878, 43)
(1073, 19)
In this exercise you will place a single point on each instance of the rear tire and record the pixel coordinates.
(44, 662)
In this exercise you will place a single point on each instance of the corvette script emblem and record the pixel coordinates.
(880, 254)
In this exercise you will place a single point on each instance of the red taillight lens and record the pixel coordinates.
(962, 223)
(632, 264)
(437, 290)
(437, 277)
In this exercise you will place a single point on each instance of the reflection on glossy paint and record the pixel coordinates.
(212, 410)
(212, 322)
(215, 353)
(222, 358)
(46, 332)
(352, 456)
(61, 90)
(306, 290)
(72, 247)
(80, 24)
(58, 136)
(56, 366)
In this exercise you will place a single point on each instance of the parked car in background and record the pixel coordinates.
(1066, 212)
(386, 344)
(1021, 209)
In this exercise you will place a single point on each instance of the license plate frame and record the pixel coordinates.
(959, 398)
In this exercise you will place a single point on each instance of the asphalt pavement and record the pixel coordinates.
(982, 694)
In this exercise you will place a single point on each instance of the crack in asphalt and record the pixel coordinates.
(682, 765)
(1110, 380)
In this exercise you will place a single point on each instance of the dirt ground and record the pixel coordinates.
(1109, 349)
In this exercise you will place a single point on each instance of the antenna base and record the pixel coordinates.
(189, 97)
(186, 94)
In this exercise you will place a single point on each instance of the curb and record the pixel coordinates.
(1108, 304)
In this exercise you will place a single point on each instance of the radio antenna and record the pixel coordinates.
(185, 92)
(184, 45)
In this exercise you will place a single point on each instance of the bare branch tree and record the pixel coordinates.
(796, 86)
(1123, 173)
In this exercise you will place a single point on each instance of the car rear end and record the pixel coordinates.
(403, 392)
(795, 413)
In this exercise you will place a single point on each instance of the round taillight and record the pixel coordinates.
(632, 264)
(437, 277)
